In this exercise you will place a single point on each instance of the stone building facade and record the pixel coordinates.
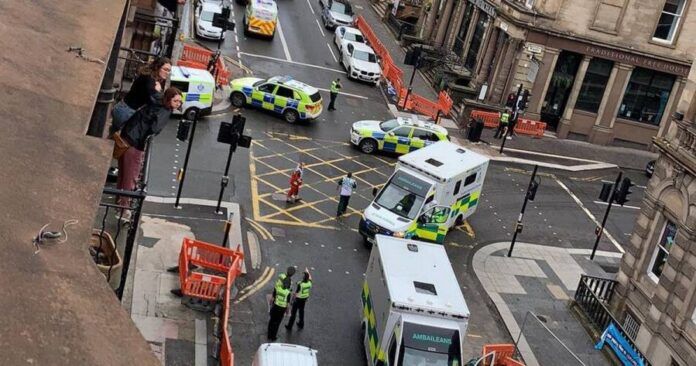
(604, 71)
(656, 294)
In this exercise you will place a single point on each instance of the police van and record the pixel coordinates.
(413, 311)
(261, 17)
(431, 190)
(197, 87)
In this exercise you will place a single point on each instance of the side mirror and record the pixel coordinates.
(390, 133)
(422, 219)
(374, 191)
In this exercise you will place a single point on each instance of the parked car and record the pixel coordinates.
(204, 21)
(336, 13)
(650, 168)
(361, 63)
(344, 35)
(292, 99)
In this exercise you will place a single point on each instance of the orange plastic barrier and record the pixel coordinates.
(504, 355)
(529, 127)
(226, 353)
(395, 76)
(198, 58)
(490, 119)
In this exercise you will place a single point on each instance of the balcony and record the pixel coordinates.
(682, 146)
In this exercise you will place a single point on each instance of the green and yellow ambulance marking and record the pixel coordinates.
(376, 354)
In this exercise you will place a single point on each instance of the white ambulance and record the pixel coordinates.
(432, 190)
(197, 86)
(413, 311)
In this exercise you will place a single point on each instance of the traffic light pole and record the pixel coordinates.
(514, 115)
(600, 230)
(408, 91)
(518, 226)
(182, 172)
(225, 179)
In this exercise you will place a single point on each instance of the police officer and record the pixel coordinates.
(281, 298)
(335, 87)
(287, 275)
(503, 124)
(301, 296)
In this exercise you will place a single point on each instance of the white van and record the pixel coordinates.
(432, 190)
(284, 354)
(197, 86)
(261, 17)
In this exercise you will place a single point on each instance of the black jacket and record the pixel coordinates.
(146, 122)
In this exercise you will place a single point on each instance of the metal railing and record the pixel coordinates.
(110, 228)
(399, 27)
(592, 296)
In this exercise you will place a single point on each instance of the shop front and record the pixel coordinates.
(603, 95)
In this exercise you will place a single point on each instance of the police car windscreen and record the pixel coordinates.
(429, 346)
(389, 125)
(403, 195)
(315, 97)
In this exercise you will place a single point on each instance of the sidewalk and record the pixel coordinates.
(177, 334)
(542, 280)
(420, 85)
(574, 155)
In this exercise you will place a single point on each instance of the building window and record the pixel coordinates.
(646, 96)
(476, 41)
(592, 90)
(662, 250)
(669, 20)
(631, 325)
(458, 47)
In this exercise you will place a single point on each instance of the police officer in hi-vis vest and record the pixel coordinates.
(281, 299)
(301, 295)
(335, 88)
(503, 124)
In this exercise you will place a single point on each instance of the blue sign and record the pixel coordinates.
(621, 346)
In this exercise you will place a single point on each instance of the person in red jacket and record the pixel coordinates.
(295, 183)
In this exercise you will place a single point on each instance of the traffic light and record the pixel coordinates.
(182, 131)
(232, 133)
(606, 192)
(222, 20)
(523, 104)
(624, 191)
(412, 56)
(531, 191)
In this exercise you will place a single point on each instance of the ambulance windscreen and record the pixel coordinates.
(424, 345)
(403, 195)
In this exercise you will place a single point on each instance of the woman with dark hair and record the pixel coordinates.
(145, 123)
(144, 91)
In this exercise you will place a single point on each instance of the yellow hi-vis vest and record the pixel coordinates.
(304, 290)
(504, 118)
(281, 297)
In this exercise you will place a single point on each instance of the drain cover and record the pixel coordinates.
(278, 232)
(278, 197)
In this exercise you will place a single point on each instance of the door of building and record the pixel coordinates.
(559, 88)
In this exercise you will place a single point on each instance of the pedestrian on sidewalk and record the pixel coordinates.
(145, 123)
(301, 296)
(283, 276)
(145, 90)
(281, 298)
(335, 88)
(502, 124)
(295, 184)
(346, 187)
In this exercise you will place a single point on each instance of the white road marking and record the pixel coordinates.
(346, 94)
(320, 29)
(285, 43)
(332, 53)
(589, 214)
(292, 62)
(310, 6)
(604, 203)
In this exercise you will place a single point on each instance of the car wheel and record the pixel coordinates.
(291, 116)
(238, 99)
(367, 243)
(368, 146)
(459, 220)
(191, 113)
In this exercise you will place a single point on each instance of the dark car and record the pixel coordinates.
(650, 168)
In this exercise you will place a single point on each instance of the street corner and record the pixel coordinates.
(273, 159)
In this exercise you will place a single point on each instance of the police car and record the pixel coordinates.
(292, 99)
(400, 135)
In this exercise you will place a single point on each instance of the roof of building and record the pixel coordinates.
(443, 160)
(56, 307)
(422, 277)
